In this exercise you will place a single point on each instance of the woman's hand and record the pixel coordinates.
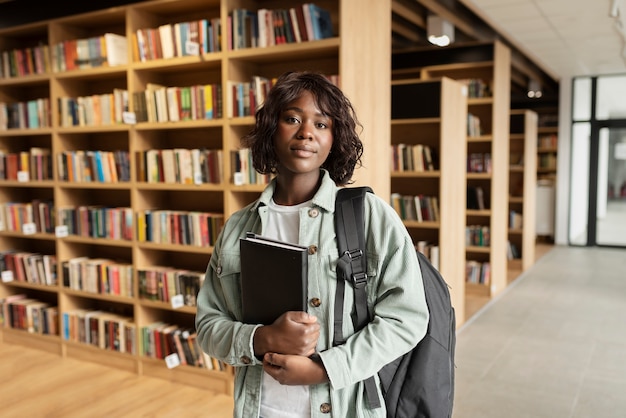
(294, 333)
(294, 370)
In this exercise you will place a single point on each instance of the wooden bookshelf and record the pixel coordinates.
(438, 124)
(342, 54)
(486, 70)
(547, 142)
(522, 190)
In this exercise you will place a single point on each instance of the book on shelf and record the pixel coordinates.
(116, 49)
(512, 252)
(476, 198)
(431, 251)
(274, 277)
(515, 220)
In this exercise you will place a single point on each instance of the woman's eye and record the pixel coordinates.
(291, 119)
(321, 125)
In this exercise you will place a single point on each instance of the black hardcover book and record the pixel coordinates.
(273, 278)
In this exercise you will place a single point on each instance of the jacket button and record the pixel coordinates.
(325, 408)
(315, 302)
(218, 270)
(314, 212)
(246, 360)
(312, 249)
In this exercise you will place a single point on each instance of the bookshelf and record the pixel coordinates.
(547, 143)
(522, 191)
(485, 68)
(438, 124)
(547, 152)
(182, 204)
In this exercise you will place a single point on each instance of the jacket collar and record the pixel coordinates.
(324, 197)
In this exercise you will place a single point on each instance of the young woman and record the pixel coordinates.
(306, 134)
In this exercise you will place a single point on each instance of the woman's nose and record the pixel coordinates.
(305, 131)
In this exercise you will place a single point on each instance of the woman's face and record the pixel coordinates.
(304, 137)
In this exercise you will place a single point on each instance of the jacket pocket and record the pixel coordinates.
(228, 270)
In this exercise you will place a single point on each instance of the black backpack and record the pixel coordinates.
(421, 382)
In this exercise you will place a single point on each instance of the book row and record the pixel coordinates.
(547, 141)
(107, 50)
(476, 198)
(180, 165)
(34, 164)
(19, 311)
(101, 329)
(103, 276)
(28, 267)
(418, 208)
(31, 114)
(479, 162)
(165, 284)
(477, 236)
(474, 127)
(26, 61)
(94, 166)
(477, 88)
(33, 217)
(179, 227)
(195, 37)
(243, 171)
(546, 161)
(94, 110)
(96, 221)
(267, 27)
(98, 275)
(512, 252)
(177, 346)
(406, 157)
(477, 272)
(159, 103)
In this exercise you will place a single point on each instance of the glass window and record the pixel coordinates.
(582, 99)
(610, 103)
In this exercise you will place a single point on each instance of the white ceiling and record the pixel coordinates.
(566, 38)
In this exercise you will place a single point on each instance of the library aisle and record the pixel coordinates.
(552, 345)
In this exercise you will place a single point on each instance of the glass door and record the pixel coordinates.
(610, 219)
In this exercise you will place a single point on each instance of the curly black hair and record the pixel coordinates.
(347, 148)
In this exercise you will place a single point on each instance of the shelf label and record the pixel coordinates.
(238, 178)
(129, 118)
(172, 361)
(177, 301)
(61, 231)
(29, 228)
(192, 48)
(7, 276)
(23, 176)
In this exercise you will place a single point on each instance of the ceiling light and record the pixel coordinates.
(534, 89)
(440, 31)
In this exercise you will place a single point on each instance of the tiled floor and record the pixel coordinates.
(553, 345)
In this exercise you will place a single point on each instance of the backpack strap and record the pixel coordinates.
(352, 267)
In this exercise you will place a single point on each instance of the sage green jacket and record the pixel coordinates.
(395, 298)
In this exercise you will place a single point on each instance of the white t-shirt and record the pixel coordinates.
(283, 401)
